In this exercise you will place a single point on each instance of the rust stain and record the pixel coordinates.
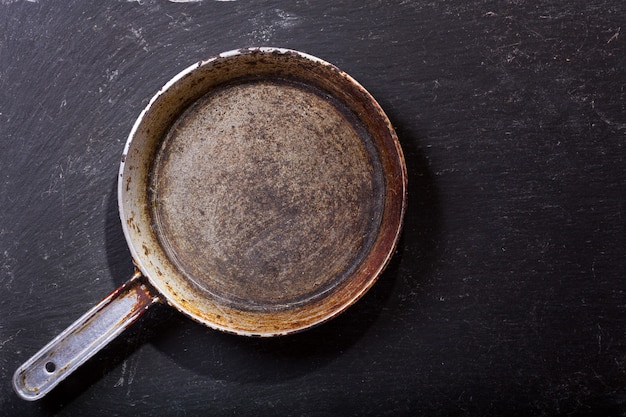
(286, 188)
(277, 198)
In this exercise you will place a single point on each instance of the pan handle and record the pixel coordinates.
(84, 338)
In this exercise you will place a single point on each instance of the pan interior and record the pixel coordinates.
(266, 194)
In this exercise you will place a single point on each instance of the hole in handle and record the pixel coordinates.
(50, 367)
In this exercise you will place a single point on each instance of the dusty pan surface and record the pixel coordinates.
(267, 194)
(262, 191)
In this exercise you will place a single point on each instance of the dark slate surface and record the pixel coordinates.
(507, 294)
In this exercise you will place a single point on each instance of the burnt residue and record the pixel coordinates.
(276, 185)
(291, 188)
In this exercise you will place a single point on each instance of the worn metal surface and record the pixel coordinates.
(262, 191)
(83, 339)
(267, 194)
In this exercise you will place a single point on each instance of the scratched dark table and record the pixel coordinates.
(507, 294)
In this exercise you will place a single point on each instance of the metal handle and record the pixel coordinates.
(83, 339)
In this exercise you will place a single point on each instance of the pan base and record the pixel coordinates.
(266, 194)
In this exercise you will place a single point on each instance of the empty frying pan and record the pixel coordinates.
(261, 192)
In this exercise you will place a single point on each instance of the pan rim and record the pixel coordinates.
(161, 285)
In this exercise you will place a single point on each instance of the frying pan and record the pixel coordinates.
(261, 192)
